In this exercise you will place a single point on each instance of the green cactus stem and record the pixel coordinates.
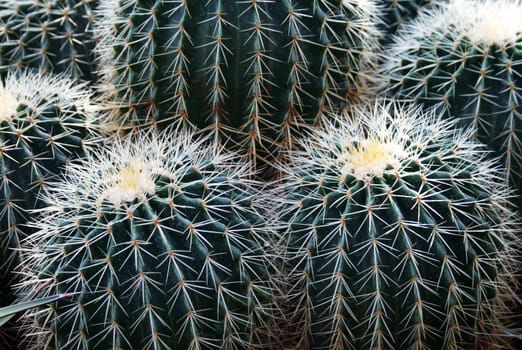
(399, 236)
(166, 243)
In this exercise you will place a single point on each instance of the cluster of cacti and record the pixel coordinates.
(379, 226)
(466, 59)
(167, 249)
(48, 35)
(249, 72)
(398, 235)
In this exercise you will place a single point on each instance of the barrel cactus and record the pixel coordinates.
(251, 73)
(466, 58)
(399, 236)
(45, 121)
(49, 35)
(164, 240)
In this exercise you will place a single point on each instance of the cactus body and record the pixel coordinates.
(48, 35)
(44, 122)
(398, 236)
(165, 243)
(466, 59)
(250, 72)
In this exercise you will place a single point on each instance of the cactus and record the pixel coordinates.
(466, 58)
(48, 35)
(251, 73)
(396, 12)
(164, 240)
(399, 235)
(44, 122)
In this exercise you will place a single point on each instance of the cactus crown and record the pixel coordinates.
(373, 152)
(8, 103)
(493, 22)
(115, 179)
(384, 141)
(130, 181)
(370, 157)
(36, 90)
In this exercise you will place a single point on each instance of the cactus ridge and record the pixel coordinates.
(468, 63)
(415, 250)
(49, 35)
(44, 122)
(166, 248)
(249, 72)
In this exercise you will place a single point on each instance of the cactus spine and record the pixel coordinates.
(49, 35)
(166, 243)
(466, 58)
(44, 122)
(398, 236)
(249, 72)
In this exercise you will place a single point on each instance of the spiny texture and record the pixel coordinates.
(48, 35)
(398, 236)
(166, 244)
(466, 58)
(396, 12)
(44, 122)
(250, 72)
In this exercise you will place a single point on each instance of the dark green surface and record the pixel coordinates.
(36, 144)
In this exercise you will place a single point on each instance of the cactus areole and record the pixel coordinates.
(250, 72)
